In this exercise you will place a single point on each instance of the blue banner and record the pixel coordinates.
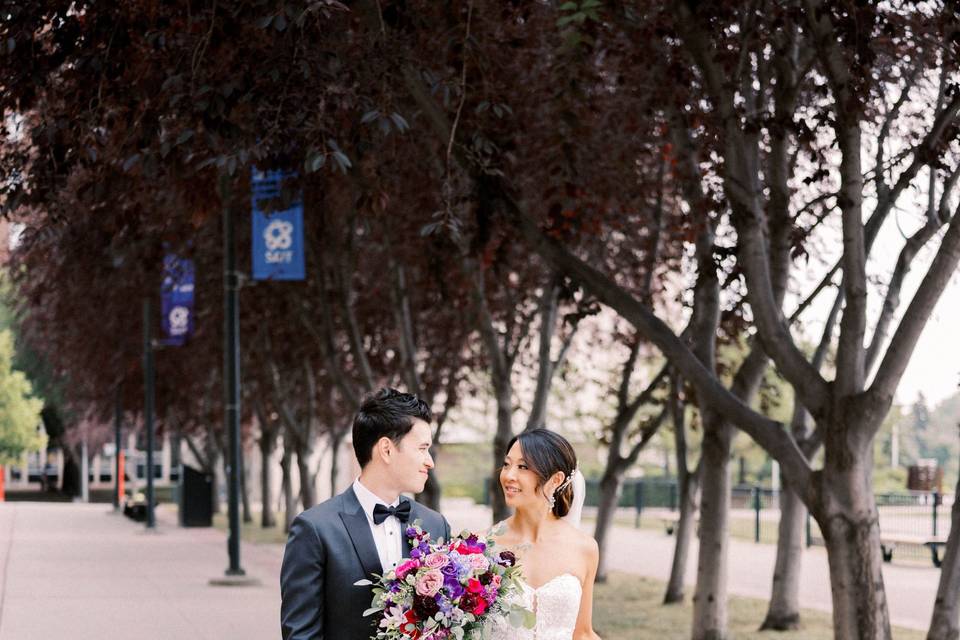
(176, 299)
(278, 252)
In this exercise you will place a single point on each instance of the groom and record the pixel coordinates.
(361, 531)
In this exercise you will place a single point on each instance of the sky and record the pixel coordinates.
(935, 367)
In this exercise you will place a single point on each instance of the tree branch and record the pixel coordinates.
(891, 301)
(768, 433)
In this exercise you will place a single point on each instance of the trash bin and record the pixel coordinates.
(196, 500)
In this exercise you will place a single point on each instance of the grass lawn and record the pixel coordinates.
(628, 608)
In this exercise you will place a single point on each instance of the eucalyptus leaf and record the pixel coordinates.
(399, 120)
(130, 162)
(343, 160)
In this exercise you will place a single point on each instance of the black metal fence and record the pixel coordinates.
(755, 513)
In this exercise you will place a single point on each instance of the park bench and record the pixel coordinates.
(889, 542)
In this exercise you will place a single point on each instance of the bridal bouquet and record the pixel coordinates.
(447, 590)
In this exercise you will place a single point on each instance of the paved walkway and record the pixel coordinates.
(81, 572)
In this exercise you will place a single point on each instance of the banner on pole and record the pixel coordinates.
(278, 251)
(176, 299)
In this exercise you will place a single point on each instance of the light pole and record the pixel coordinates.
(231, 380)
(234, 575)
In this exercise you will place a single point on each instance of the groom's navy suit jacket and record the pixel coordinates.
(330, 547)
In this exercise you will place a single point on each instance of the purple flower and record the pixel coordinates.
(453, 588)
(450, 570)
(445, 606)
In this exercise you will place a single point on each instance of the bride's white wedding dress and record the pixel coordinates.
(555, 605)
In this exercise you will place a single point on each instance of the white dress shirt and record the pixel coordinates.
(386, 535)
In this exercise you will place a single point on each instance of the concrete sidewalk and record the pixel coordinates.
(81, 572)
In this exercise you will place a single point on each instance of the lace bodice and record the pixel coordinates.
(556, 605)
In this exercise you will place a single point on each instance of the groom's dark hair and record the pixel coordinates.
(388, 413)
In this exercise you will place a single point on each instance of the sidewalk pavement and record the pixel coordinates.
(82, 572)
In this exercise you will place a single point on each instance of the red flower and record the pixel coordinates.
(468, 602)
(409, 626)
(474, 586)
(480, 607)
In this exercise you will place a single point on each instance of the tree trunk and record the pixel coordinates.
(308, 492)
(945, 622)
(611, 488)
(500, 441)
(549, 303)
(215, 482)
(850, 525)
(268, 444)
(710, 598)
(212, 462)
(245, 489)
(689, 489)
(289, 499)
(336, 440)
(783, 613)
(688, 485)
(70, 482)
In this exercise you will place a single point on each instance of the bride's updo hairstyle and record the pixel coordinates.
(546, 453)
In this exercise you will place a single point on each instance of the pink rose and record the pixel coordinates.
(495, 581)
(436, 561)
(429, 583)
(406, 567)
(479, 563)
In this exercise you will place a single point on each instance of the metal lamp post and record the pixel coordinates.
(234, 575)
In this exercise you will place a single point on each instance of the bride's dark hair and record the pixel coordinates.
(546, 453)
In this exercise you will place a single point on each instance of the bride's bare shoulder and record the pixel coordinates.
(581, 541)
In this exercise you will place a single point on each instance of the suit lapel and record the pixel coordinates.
(358, 528)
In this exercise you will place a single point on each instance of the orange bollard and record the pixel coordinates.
(120, 479)
(3, 495)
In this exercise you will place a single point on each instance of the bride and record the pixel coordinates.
(541, 483)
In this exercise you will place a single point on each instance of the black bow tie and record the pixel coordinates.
(401, 512)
